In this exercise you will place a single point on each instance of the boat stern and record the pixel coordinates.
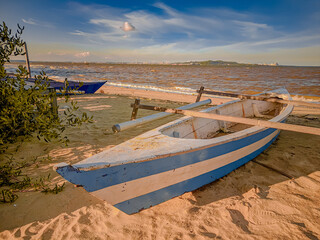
(68, 172)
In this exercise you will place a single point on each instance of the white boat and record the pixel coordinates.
(177, 157)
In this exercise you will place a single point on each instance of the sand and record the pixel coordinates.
(252, 202)
(158, 95)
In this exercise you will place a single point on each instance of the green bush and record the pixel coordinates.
(27, 111)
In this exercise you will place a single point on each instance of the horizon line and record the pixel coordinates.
(168, 63)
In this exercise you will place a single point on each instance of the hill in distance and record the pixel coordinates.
(222, 63)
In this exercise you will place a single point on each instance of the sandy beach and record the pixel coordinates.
(252, 202)
(175, 97)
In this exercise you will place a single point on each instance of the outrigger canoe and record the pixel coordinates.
(79, 87)
(84, 87)
(177, 157)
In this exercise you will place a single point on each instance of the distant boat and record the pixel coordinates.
(178, 157)
(86, 87)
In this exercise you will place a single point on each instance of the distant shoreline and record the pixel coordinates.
(191, 63)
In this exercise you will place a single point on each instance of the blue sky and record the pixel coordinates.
(284, 31)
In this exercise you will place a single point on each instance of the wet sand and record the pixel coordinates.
(149, 94)
(252, 202)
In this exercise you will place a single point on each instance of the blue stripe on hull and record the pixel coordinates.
(91, 88)
(101, 178)
(142, 202)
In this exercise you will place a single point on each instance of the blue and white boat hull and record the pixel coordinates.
(156, 166)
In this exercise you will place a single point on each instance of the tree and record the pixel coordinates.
(26, 111)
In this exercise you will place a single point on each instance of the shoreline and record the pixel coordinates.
(167, 96)
(179, 97)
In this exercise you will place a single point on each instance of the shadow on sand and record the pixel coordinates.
(295, 154)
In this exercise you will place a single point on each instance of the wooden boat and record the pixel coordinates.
(86, 87)
(177, 157)
(79, 87)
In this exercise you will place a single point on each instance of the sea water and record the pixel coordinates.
(303, 81)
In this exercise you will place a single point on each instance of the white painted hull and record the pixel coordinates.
(155, 166)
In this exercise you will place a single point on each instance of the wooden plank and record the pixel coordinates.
(248, 121)
(27, 60)
(262, 98)
(135, 109)
(129, 124)
(54, 103)
(200, 93)
(66, 85)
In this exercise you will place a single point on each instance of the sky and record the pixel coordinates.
(283, 31)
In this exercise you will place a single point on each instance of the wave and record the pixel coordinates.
(312, 99)
(186, 80)
(180, 90)
(190, 91)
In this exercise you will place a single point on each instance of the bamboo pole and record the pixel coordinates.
(133, 123)
(248, 121)
(27, 60)
(262, 98)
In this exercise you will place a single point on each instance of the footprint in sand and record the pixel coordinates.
(239, 220)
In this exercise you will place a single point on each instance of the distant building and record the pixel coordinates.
(269, 64)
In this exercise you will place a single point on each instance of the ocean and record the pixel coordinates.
(304, 81)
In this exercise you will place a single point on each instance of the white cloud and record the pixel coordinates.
(253, 30)
(82, 54)
(79, 33)
(128, 27)
(57, 53)
(29, 21)
(109, 23)
(197, 34)
(32, 21)
(210, 28)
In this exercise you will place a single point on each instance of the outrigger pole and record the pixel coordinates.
(27, 60)
(248, 121)
(273, 99)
